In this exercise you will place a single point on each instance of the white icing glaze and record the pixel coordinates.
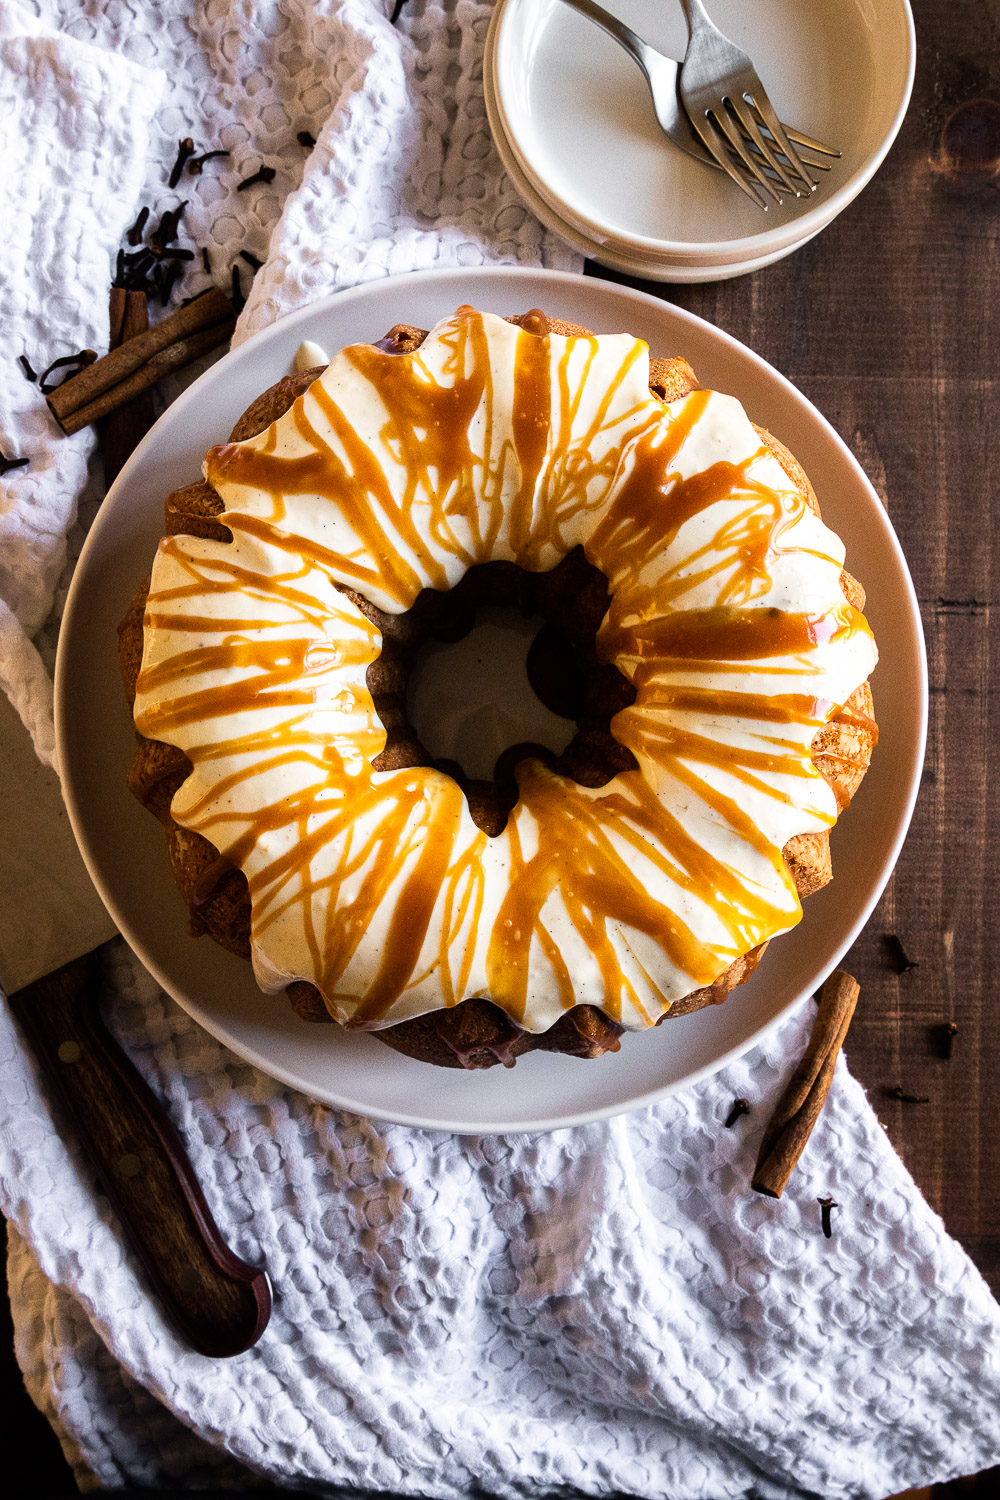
(399, 472)
(307, 356)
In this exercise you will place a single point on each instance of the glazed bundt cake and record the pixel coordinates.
(698, 627)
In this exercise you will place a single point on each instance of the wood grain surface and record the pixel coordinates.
(889, 322)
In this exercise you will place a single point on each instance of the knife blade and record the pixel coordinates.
(50, 910)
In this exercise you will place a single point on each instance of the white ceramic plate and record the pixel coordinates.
(609, 253)
(124, 846)
(580, 119)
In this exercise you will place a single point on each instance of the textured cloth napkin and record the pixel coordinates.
(607, 1308)
(73, 141)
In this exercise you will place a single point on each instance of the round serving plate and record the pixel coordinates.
(608, 252)
(124, 846)
(579, 117)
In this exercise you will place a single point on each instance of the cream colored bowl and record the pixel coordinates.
(577, 117)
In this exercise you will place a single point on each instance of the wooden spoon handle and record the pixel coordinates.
(216, 1301)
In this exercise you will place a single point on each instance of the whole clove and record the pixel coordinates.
(139, 262)
(740, 1107)
(70, 364)
(826, 1207)
(29, 373)
(185, 148)
(176, 253)
(166, 231)
(898, 1092)
(6, 464)
(902, 959)
(166, 277)
(946, 1038)
(134, 268)
(396, 12)
(206, 260)
(251, 260)
(306, 139)
(134, 235)
(236, 296)
(196, 163)
(263, 174)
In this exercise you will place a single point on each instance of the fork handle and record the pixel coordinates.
(638, 50)
(695, 13)
(623, 35)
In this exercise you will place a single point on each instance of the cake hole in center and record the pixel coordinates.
(472, 700)
(499, 669)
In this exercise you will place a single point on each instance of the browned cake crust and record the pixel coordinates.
(573, 599)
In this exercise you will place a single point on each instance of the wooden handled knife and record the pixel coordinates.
(50, 914)
(216, 1301)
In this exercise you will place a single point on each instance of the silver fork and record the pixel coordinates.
(725, 101)
(662, 73)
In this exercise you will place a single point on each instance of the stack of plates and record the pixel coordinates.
(574, 125)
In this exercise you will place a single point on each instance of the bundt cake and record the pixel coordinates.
(698, 627)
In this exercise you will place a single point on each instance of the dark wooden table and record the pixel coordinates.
(890, 323)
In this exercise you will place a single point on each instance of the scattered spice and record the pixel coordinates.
(263, 174)
(165, 278)
(139, 261)
(946, 1037)
(29, 373)
(306, 139)
(206, 260)
(740, 1107)
(251, 260)
(903, 960)
(128, 316)
(210, 291)
(826, 1207)
(900, 1093)
(6, 464)
(166, 231)
(197, 162)
(134, 235)
(236, 297)
(70, 364)
(799, 1107)
(185, 148)
(143, 360)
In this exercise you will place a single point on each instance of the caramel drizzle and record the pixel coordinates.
(400, 841)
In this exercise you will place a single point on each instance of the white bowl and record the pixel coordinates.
(124, 846)
(609, 252)
(579, 117)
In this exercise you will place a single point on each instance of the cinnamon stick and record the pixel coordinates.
(799, 1107)
(125, 428)
(140, 362)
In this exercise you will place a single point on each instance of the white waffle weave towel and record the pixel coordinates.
(607, 1309)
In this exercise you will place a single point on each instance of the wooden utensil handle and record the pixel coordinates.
(217, 1302)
